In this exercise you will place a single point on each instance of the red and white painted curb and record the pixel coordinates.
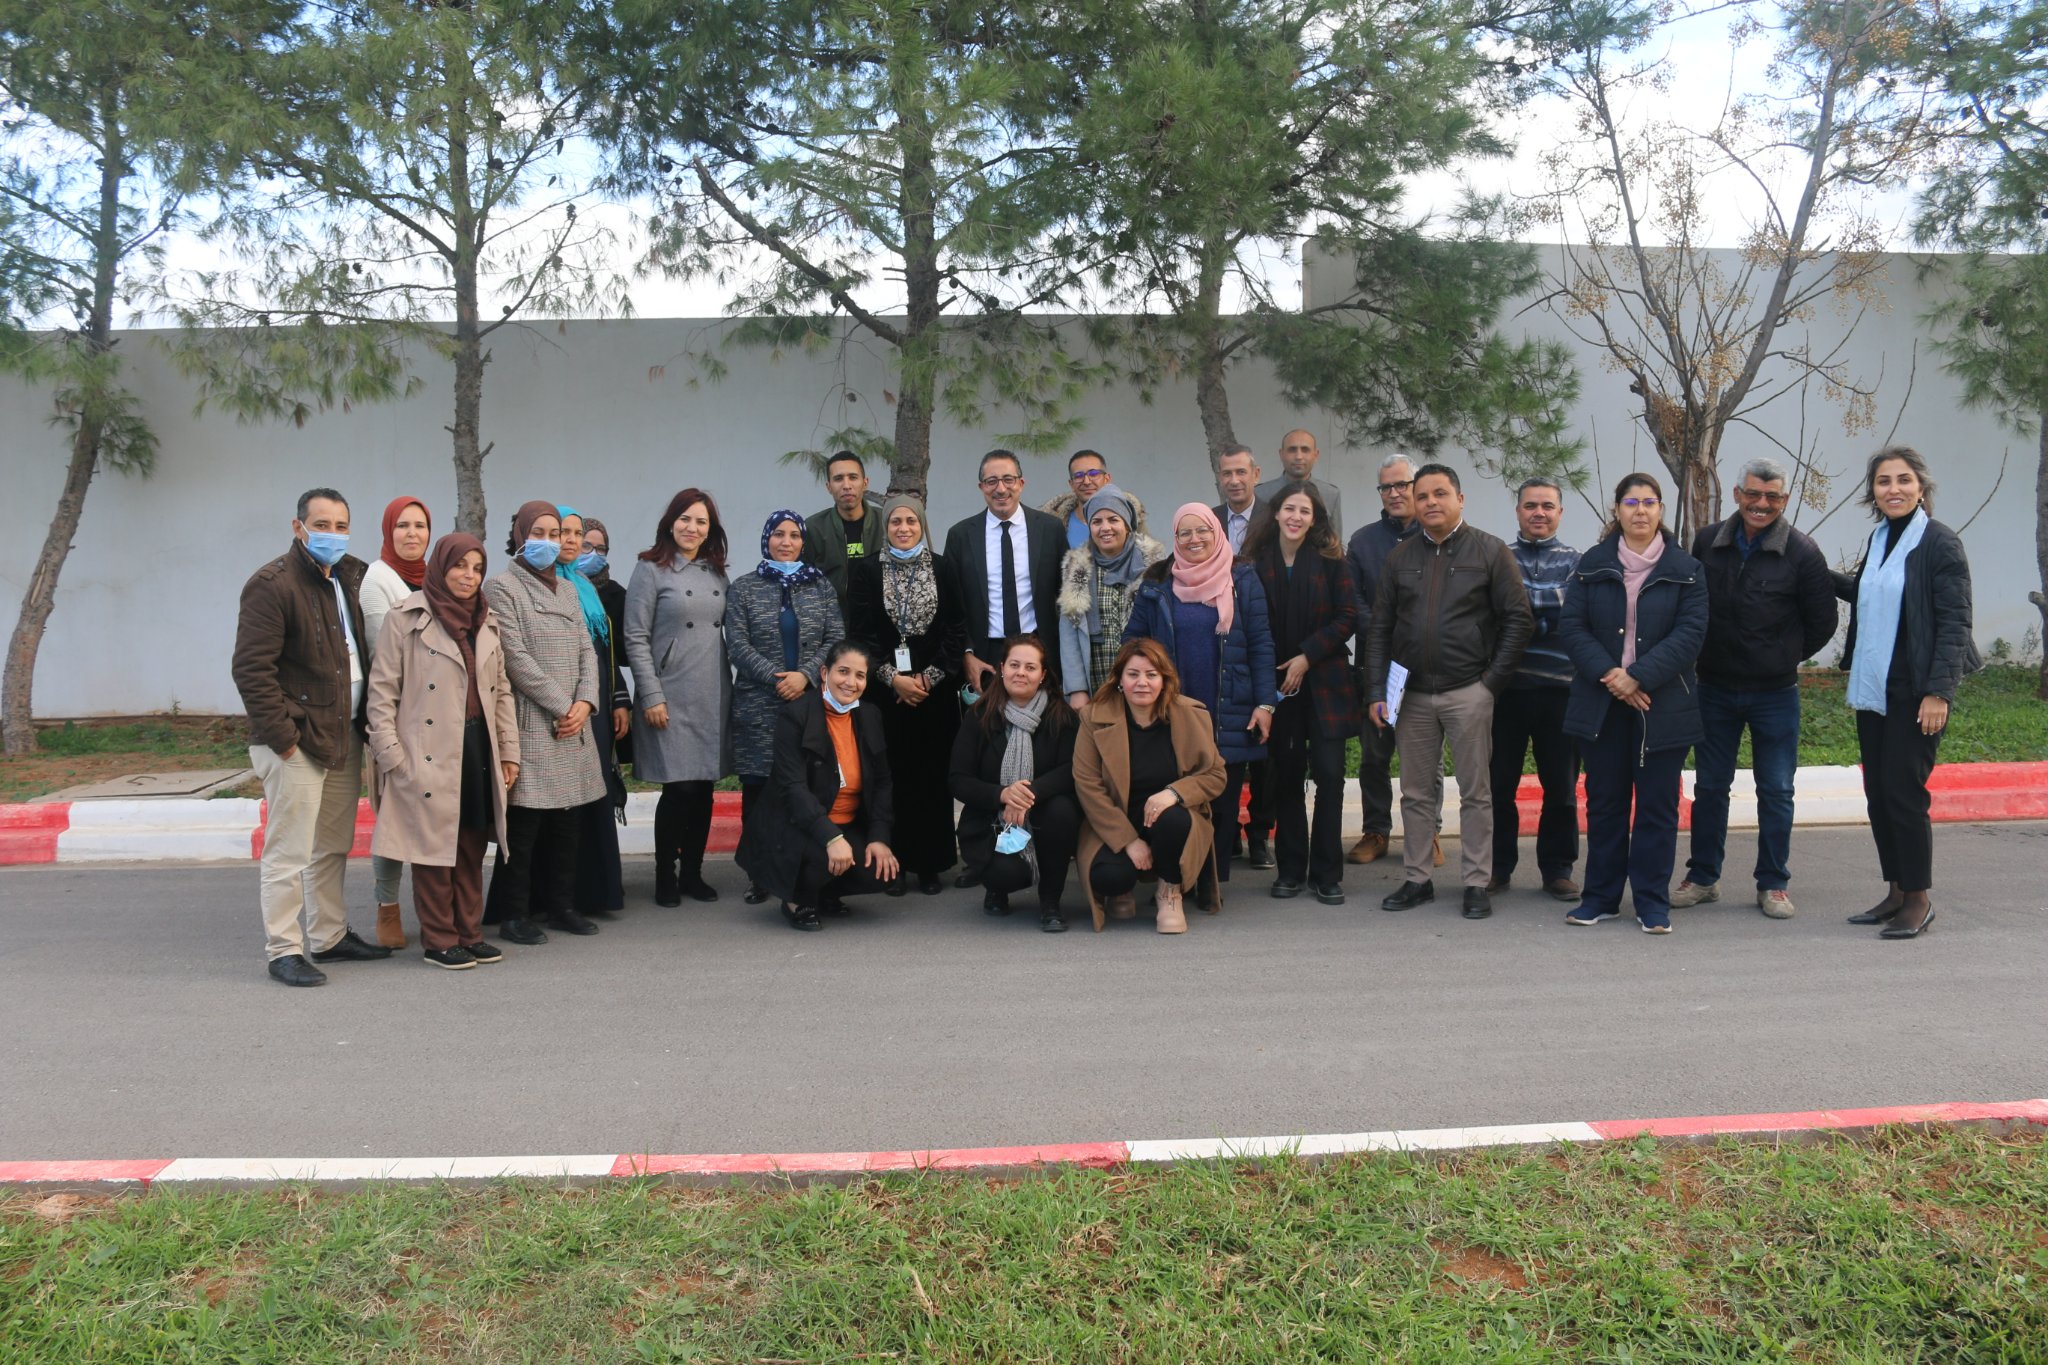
(999, 1161)
(226, 829)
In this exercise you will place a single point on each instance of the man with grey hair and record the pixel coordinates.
(1367, 552)
(1770, 606)
(1529, 712)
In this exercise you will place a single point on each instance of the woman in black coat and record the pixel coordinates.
(901, 603)
(1013, 775)
(822, 823)
(1909, 648)
(1635, 616)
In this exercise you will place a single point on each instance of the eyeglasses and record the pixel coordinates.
(1002, 481)
(1769, 499)
(1648, 504)
(1193, 533)
(1390, 487)
(1083, 475)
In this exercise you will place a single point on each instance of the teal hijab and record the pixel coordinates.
(599, 624)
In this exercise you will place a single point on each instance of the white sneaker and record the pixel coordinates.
(1774, 904)
(1688, 894)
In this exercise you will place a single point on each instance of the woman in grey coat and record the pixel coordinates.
(556, 689)
(779, 622)
(675, 613)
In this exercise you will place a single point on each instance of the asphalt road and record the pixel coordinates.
(140, 1023)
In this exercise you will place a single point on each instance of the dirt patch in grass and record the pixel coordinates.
(1477, 1265)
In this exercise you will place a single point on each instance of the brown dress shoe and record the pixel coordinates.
(1496, 885)
(1562, 888)
(1369, 848)
(1436, 851)
(390, 929)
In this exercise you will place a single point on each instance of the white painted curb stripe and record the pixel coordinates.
(1333, 1144)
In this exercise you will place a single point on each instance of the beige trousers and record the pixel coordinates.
(1464, 717)
(309, 827)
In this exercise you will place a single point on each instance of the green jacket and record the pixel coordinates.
(825, 545)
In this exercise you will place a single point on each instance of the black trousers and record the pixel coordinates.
(1259, 819)
(682, 826)
(1897, 761)
(814, 879)
(1376, 775)
(552, 892)
(1223, 816)
(1301, 847)
(1526, 717)
(1055, 830)
(1114, 874)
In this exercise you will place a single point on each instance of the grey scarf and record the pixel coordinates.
(1018, 765)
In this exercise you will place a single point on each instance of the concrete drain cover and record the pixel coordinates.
(141, 786)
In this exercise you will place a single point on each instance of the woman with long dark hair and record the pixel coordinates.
(1909, 648)
(674, 635)
(901, 603)
(780, 620)
(821, 826)
(1145, 770)
(1013, 775)
(1635, 616)
(1313, 613)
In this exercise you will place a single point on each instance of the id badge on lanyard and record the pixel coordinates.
(903, 658)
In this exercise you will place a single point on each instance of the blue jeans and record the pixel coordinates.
(1773, 720)
(1631, 818)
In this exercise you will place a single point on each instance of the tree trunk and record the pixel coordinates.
(2040, 598)
(470, 512)
(1699, 493)
(918, 359)
(1212, 399)
(17, 710)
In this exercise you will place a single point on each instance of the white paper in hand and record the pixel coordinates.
(1397, 683)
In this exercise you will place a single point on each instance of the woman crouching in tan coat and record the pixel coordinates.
(446, 747)
(1145, 770)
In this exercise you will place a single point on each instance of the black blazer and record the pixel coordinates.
(868, 621)
(795, 806)
(976, 776)
(967, 558)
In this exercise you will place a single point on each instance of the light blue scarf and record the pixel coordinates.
(1878, 596)
(594, 618)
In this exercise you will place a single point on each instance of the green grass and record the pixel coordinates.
(1996, 719)
(220, 743)
(1912, 1246)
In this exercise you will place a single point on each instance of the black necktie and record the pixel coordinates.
(1013, 621)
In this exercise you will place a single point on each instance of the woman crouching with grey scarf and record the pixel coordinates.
(1013, 771)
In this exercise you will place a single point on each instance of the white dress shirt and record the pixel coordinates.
(1020, 547)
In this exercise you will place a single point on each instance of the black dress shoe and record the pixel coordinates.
(1285, 888)
(1902, 931)
(1259, 852)
(484, 952)
(803, 918)
(755, 895)
(930, 885)
(1877, 915)
(1410, 895)
(1333, 894)
(1050, 921)
(700, 890)
(523, 932)
(967, 879)
(294, 970)
(995, 903)
(897, 886)
(831, 905)
(349, 948)
(667, 896)
(1478, 905)
(569, 922)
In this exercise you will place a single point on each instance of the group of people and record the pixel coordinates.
(1056, 688)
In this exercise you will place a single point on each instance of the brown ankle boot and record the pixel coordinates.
(390, 929)
(1172, 919)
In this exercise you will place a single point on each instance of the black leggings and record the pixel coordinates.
(1114, 874)
(682, 825)
(555, 834)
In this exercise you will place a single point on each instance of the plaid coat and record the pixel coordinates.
(552, 666)
(1332, 612)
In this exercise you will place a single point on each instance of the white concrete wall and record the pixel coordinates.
(145, 612)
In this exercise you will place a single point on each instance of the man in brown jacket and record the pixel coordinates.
(301, 667)
(1450, 609)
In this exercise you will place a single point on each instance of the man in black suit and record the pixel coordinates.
(1005, 564)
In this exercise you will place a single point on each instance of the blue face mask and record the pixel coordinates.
(837, 705)
(912, 553)
(327, 547)
(541, 554)
(784, 568)
(1013, 839)
(591, 563)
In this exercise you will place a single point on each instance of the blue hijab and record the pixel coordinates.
(599, 624)
(785, 576)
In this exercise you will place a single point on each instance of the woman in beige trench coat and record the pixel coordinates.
(1146, 768)
(445, 745)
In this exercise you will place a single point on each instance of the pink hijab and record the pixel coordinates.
(1208, 581)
